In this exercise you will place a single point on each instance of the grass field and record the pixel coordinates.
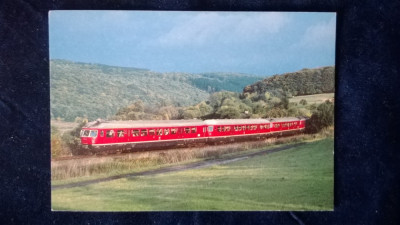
(63, 126)
(311, 99)
(297, 179)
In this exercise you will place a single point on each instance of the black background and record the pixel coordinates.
(367, 181)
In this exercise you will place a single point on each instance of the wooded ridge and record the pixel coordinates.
(98, 91)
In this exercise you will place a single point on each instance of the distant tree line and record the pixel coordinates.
(303, 82)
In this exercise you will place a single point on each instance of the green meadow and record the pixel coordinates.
(313, 99)
(300, 178)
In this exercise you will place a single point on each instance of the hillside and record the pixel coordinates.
(98, 91)
(303, 82)
(271, 97)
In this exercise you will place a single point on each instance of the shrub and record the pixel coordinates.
(323, 117)
(303, 102)
(72, 138)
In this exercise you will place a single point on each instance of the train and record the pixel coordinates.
(102, 135)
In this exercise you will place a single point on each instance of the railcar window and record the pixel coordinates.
(173, 130)
(101, 133)
(110, 133)
(204, 129)
(143, 132)
(219, 129)
(85, 133)
(227, 128)
(266, 126)
(166, 131)
(194, 130)
(187, 130)
(120, 133)
(152, 132)
(135, 133)
(159, 132)
(239, 128)
(93, 133)
(210, 128)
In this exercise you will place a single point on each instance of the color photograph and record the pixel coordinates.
(192, 111)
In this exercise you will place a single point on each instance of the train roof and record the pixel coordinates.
(235, 121)
(287, 119)
(181, 123)
(143, 123)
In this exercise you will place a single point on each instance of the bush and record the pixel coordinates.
(323, 117)
(57, 146)
(72, 138)
(303, 102)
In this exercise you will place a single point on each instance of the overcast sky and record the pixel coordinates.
(259, 43)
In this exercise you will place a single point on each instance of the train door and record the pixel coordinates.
(210, 130)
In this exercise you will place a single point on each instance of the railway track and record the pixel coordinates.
(121, 154)
(177, 168)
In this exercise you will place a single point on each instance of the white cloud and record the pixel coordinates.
(320, 34)
(224, 28)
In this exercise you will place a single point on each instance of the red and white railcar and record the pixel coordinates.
(167, 133)
(141, 134)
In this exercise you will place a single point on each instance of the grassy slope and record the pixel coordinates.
(296, 179)
(311, 99)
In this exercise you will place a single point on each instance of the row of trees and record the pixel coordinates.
(222, 105)
(303, 82)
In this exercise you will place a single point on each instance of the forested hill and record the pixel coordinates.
(303, 82)
(98, 91)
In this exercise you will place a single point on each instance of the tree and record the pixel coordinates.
(303, 102)
(72, 138)
(285, 102)
(321, 118)
(228, 112)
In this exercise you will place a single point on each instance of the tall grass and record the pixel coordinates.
(140, 161)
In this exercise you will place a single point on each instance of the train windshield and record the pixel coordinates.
(85, 133)
(93, 133)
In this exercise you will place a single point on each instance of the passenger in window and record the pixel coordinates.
(110, 133)
(120, 133)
